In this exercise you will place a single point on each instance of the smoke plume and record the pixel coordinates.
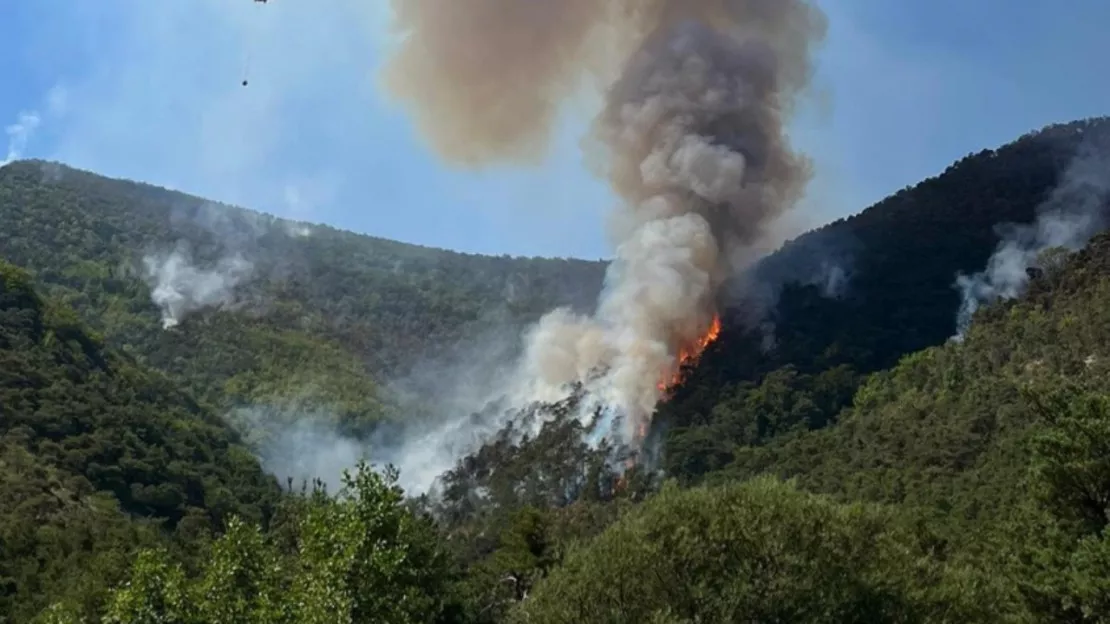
(1074, 212)
(19, 133)
(231, 247)
(691, 138)
(179, 287)
(27, 124)
(300, 445)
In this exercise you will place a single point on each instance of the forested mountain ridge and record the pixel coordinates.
(899, 260)
(318, 306)
(850, 297)
(933, 481)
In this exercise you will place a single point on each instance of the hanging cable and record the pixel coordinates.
(248, 47)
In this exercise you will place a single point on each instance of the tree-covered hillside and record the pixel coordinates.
(900, 259)
(967, 484)
(975, 472)
(89, 438)
(318, 312)
(928, 480)
(329, 316)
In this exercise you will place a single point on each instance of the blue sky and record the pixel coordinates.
(149, 90)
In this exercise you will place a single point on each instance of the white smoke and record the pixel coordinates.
(300, 202)
(691, 138)
(300, 446)
(447, 401)
(178, 287)
(424, 454)
(304, 444)
(19, 133)
(832, 279)
(1074, 212)
(27, 124)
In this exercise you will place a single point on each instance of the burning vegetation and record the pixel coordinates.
(690, 137)
(689, 355)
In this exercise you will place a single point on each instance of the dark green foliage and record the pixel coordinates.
(750, 414)
(761, 552)
(1064, 560)
(960, 410)
(358, 558)
(998, 444)
(1074, 453)
(85, 434)
(57, 540)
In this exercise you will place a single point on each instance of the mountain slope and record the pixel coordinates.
(327, 318)
(947, 427)
(968, 481)
(87, 439)
(900, 258)
(975, 473)
(311, 307)
(999, 442)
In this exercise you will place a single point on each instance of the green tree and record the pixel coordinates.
(360, 557)
(1073, 452)
(366, 556)
(244, 579)
(1065, 562)
(762, 552)
(156, 593)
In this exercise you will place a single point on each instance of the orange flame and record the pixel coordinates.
(687, 355)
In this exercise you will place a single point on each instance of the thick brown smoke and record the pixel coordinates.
(691, 137)
(485, 77)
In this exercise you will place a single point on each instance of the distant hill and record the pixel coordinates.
(316, 311)
(327, 316)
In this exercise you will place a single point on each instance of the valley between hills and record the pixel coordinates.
(879, 432)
